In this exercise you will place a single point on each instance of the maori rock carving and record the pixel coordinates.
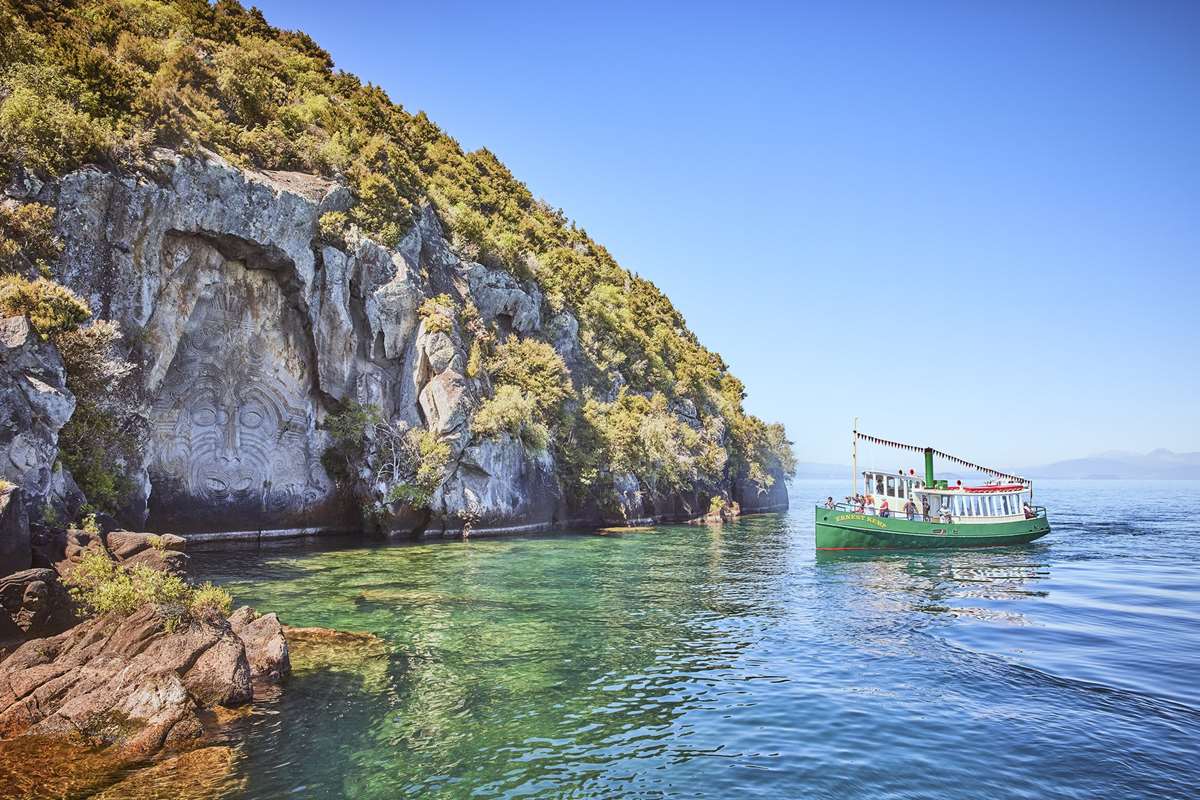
(233, 434)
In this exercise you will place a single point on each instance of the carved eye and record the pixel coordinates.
(216, 485)
(204, 417)
(252, 417)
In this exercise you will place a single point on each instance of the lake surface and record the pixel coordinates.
(732, 661)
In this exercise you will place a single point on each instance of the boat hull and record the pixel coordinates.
(847, 530)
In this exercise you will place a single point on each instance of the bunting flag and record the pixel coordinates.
(995, 473)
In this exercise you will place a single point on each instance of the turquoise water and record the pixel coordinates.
(732, 661)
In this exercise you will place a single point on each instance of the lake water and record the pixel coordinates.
(731, 661)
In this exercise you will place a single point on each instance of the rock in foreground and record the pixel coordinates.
(129, 684)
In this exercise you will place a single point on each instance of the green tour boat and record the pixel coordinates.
(904, 511)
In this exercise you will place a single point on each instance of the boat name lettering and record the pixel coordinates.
(876, 521)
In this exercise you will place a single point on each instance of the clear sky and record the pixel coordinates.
(973, 225)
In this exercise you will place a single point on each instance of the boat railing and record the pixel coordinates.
(1039, 512)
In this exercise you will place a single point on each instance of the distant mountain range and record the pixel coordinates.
(1158, 464)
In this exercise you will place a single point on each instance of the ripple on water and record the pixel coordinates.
(732, 662)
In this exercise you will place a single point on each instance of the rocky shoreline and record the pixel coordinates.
(131, 704)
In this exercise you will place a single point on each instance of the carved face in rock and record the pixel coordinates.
(232, 424)
(232, 431)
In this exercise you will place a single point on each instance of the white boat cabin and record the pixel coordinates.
(992, 502)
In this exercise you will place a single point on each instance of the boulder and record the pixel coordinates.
(132, 684)
(266, 645)
(444, 402)
(15, 548)
(34, 603)
(163, 552)
(62, 549)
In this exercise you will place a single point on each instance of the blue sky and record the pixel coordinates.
(973, 225)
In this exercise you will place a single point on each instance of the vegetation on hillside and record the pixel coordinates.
(105, 80)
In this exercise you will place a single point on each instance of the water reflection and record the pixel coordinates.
(940, 582)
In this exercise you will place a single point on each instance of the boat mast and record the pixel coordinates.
(854, 456)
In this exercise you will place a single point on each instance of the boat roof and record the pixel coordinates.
(1008, 488)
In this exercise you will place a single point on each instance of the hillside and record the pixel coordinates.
(431, 346)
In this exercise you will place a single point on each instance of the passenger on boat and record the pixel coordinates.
(910, 510)
(884, 511)
(925, 509)
(829, 502)
(859, 503)
(1029, 512)
(946, 518)
(870, 510)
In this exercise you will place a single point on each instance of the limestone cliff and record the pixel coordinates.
(248, 328)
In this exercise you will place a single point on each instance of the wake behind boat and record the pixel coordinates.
(904, 511)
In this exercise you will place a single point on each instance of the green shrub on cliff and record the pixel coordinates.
(27, 239)
(410, 463)
(536, 369)
(532, 384)
(103, 437)
(438, 314)
(49, 307)
(42, 126)
(511, 411)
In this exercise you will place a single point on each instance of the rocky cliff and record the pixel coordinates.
(335, 347)
(248, 329)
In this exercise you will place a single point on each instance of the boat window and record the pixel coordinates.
(878, 484)
(891, 486)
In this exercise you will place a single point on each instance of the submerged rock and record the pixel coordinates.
(208, 773)
(325, 648)
(49, 768)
